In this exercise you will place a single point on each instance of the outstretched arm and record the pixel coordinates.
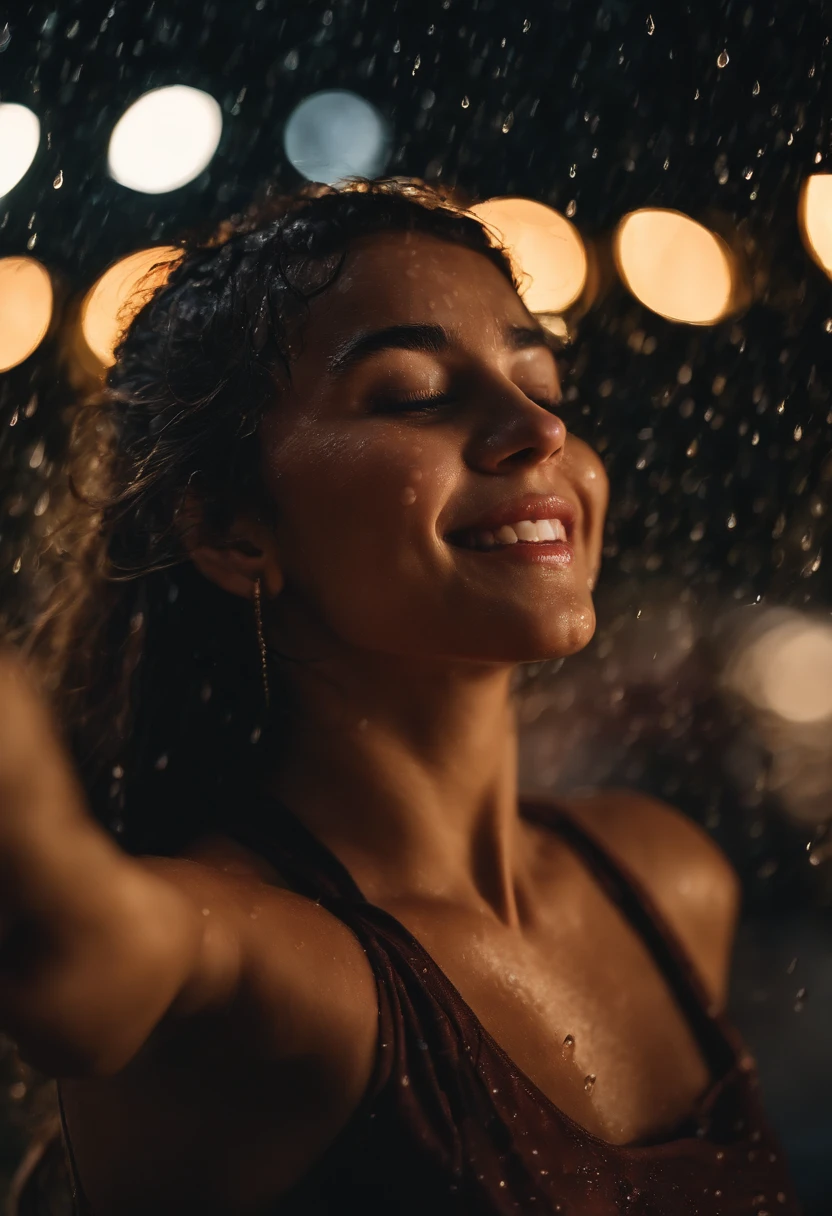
(95, 947)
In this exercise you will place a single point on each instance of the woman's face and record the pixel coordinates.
(372, 490)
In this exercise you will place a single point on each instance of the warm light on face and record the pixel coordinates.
(121, 291)
(815, 213)
(546, 250)
(674, 266)
(25, 309)
(788, 671)
(19, 139)
(165, 139)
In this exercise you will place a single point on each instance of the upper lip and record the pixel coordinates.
(529, 506)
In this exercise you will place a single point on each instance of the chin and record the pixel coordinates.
(535, 641)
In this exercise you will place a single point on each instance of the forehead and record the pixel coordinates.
(404, 277)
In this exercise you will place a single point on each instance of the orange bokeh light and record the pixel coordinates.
(114, 300)
(675, 266)
(815, 215)
(546, 250)
(26, 300)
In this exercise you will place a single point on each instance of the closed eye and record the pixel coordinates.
(414, 403)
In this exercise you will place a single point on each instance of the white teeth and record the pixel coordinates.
(506, 535)
(531, 531)
(526, 530)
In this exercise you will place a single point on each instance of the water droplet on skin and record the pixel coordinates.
(569, 1041)
(408, 496)
(589, 1082)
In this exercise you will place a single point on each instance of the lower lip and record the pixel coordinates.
(557, 553)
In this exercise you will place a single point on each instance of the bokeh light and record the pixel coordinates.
(114, 300)
(336, 134)
(25, 308)
(19, 139)
(787, 670)
(165, 139)
(675, 266)
(547, 251)
(815, 214)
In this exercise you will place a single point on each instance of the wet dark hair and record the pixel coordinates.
(155, 671)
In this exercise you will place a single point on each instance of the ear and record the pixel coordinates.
(236, 560)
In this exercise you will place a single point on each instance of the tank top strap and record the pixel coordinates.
(642, 913)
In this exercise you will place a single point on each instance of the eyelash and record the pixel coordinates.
(415, 404)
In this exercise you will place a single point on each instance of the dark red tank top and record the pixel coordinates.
(449, 1125)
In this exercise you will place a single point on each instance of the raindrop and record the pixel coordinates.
(161, 763)
(799, 1000)
(651, 25)
(756, 89)
(465, 103)
(18, 562)
(827, 325)
(722, 59)
(59, 180)
(589, 1082)
(571, 208)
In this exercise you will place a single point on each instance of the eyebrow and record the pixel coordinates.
(431, 339)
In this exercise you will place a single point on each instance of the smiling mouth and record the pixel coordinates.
(543, 532)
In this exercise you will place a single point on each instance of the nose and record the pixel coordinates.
(513, 430)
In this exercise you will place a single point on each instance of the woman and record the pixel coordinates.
(340, 966)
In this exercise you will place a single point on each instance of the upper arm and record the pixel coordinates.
(256, 1066)
(688, 876)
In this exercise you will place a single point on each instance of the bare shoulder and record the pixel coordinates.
(255, 1068)
(688, 876)
(295, 958)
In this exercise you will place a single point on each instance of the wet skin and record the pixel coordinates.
(400, 755)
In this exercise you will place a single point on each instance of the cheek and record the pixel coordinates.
(352, 512)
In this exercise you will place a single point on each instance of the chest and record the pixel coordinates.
(579, 1005)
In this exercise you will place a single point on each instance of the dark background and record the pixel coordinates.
(718, 440)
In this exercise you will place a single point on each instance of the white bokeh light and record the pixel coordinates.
(19, 139)
(336, 134)
(165, 139)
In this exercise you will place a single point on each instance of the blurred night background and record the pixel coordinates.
(709, 681)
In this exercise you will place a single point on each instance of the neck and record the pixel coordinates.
(407, 770)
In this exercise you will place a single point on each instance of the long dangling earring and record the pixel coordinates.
(261, 639)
